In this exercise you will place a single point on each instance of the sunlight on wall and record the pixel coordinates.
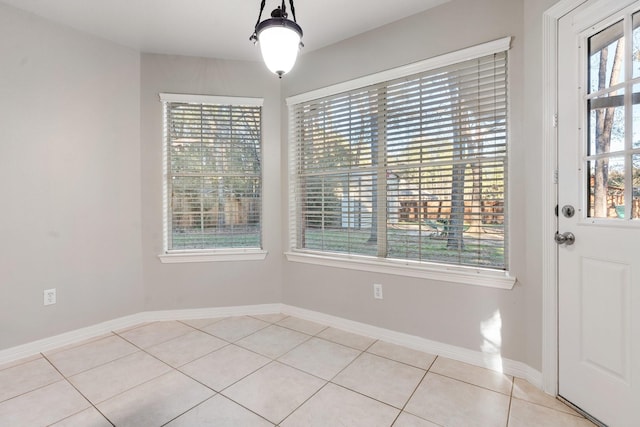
(491, 330)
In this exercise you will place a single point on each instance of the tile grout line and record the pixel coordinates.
(362, 351)
(225, 346)
(298, 330)
(38, 387)
(190, 409)
(326, 382)
(78, 344)
(101, 364)
(142, 350)
(276, 361)
(361, 393)
(222, 396)
(346, 366)
(473, 384)
(513, 384)
(414, 392)
(286, 352)
(20, 362)
(382, 357)
(158, 343)
(233, 383)
(241, 338)
(302, 404)
(79, 392)
(540, 405)
(400, 361)
(199, 328)
(289, 366)
(172, 370)
(246, 349)
(232, 317)
(242, 406)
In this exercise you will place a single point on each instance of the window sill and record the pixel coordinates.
(213, 256)
(463, 275)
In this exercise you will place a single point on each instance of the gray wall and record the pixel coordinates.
(446, 312)
(80, 145)
(214, 284)
(70, 173)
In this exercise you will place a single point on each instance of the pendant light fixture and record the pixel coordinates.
(280, 39)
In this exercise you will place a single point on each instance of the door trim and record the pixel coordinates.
(550, 20)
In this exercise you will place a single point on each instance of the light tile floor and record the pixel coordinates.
(269, 370)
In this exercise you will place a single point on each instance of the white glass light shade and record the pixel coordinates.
(279, 46)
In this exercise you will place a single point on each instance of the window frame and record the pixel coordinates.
(171, 256)
(625, 17)
(421, 269)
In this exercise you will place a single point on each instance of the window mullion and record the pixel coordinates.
(381, 181)
(628, 115)
(168, 188)
(202, 188)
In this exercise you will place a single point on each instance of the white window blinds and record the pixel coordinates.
(412, 169)
(213, 172)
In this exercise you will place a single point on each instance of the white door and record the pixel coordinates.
(599, 175)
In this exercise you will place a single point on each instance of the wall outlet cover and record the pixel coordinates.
(377, 291)
(49, 296)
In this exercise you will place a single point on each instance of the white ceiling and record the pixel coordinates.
(216, 28)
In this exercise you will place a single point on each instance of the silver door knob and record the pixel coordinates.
(567, 238)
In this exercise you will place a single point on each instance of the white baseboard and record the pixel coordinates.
(47, 344)
(477, 358)
(203, 313)
(71, 337)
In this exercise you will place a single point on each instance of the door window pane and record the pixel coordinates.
(606, 123)
(636, 116)
(636, 44)
(606, 58)
(606, 187)
(636, 186)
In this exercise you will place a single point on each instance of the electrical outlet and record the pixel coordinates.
(49, 296)
(377, 291)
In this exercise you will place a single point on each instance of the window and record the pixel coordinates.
(613, 113)
(411, 168)
(213, 174)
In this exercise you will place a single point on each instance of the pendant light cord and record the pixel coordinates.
(260, 14)
(284, 11)
(293, 10)
(254, 37)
